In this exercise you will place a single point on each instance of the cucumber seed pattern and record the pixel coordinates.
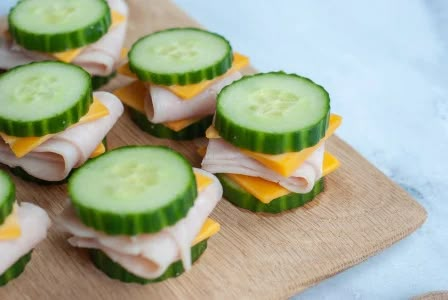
(38, 88)
(56, 13)
(272, 102)
(180, 50)
(130, 179)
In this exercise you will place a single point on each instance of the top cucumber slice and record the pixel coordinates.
(7, 196)
(42, 98)
(58, 25)
(133, 190)
(180, 56)
(273, 113)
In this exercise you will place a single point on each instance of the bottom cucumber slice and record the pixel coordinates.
(99, 81)
(15, 270)
(22, 174)
(236, 195)
(115, 271)
(191, 132)
(7, 196)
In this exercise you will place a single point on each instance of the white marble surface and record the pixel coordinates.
(385, 64)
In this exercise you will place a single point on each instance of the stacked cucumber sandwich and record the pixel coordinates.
(22, 227)
(178, 74)
(50, 122)
(142, 211)
(88, 33)
(267, 142)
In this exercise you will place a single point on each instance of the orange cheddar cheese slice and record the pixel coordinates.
(133, 95)
(285, 164)
(209, 229)
(263, 190)
(266, 191)
(69, 55)
(330, 164)
(124, 53)
(202, 181)
(181, 124)
(98, 151)
(21, 146)
(10, 229)
(189, 91)
(126, 71)
(117, 18)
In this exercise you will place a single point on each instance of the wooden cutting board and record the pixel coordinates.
(254, 256)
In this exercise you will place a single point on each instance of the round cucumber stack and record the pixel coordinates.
(130, 191)
(271, 113)
(42, 98)
(178, 56)
(55, 26)
(7, 199)
(58, 25)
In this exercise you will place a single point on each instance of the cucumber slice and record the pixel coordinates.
(191, 132)
(42, 98)
(180, 56)
(273, 113)
(236, 195)
(7, 196)
(58, 25)
(15, 270)
(133, 190)
(115, 271)
(21, 173)
(99, 81)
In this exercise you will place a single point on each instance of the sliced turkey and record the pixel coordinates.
(99, 58)
(148, 255)
(34, 223)
(12, 56)
(162, 105)
(223, 157)
(54, 159)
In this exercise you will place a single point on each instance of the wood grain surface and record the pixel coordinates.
(254, 256)
(440, 295)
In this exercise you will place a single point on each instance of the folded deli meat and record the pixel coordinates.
(99, 58)
(178, 80)
(149, 255)
(54, 159)
(31, 223)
